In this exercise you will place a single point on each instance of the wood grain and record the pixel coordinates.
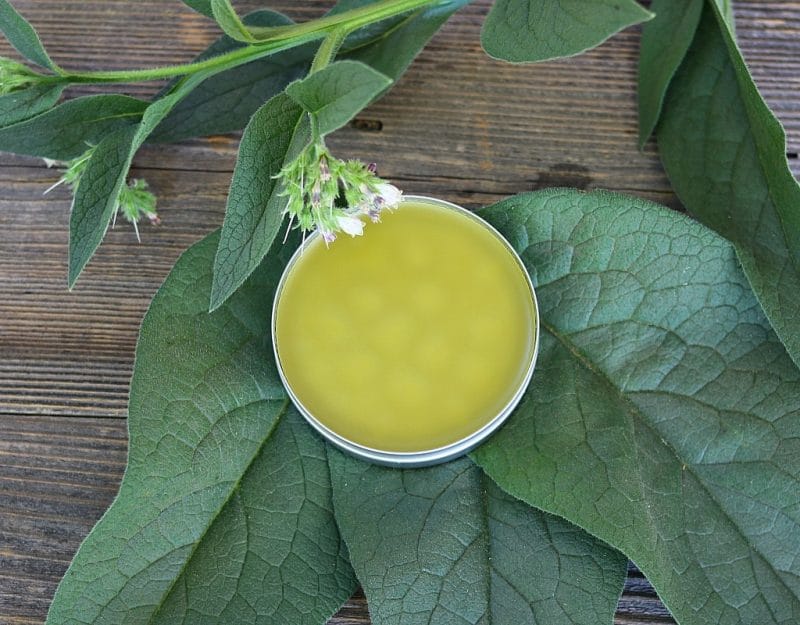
(459, 126)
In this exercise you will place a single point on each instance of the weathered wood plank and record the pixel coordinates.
(458, 125)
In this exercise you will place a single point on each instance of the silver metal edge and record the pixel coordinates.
(412, 459)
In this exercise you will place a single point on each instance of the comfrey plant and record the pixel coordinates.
(662, 424)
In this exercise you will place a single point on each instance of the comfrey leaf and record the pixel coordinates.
(225, 511)
(66, 131)
(523, 31)
(97, 197)
(725, 154)
(337, 93)
(22, 36)
(21, 105)
(444, 545)
(664, 414)
(665, 41)
(225, 102)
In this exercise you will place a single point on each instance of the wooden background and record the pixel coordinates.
(459, 126)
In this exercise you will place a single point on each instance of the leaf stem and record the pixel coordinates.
(269, 41)
(328, 48)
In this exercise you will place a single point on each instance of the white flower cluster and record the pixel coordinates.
(332, 195)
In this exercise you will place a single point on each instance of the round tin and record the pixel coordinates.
(429, 456)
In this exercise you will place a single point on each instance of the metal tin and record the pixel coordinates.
(429, 456)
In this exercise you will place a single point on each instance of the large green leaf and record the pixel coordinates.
(537, 30)
(225, 102)
(664, 414)
(20, 105)
(275, 135)
(62, 133)
(22, 36)
(725, 154)
(224, 513)
(665, 40)
(445, 546)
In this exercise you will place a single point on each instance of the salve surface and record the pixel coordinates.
(411, 337)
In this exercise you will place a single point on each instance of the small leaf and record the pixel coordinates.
(21, 105)
(96, 197)
(335, 94)
(445, 546)
(665, 41)
(201, 6)
(254, 211)
(725, 154)
(22, 36)
(664, 414)
(229, 21)
(66, 131)
(224, 514)
(523, 31)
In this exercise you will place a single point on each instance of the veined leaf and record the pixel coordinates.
(224, 513)
(225, 102)
(665, 41)
(523, 31)
(664, 414)
(335, 94)
(445, 546)
(22, 36)
(96, 197)
(274, 136)
(229, 21)
(725, 154)
(62, 133)
(20, 105)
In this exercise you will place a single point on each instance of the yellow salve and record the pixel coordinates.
(411, 337)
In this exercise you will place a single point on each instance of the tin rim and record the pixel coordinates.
(429, 456)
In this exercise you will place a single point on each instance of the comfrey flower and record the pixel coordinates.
(15, 76)
(332, 195)
(134, 201)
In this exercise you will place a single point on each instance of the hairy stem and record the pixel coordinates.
(269, 41)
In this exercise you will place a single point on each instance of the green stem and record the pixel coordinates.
(270, 41)
(328, 49)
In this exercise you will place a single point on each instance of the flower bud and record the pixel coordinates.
(15, 76)
(351, 225)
